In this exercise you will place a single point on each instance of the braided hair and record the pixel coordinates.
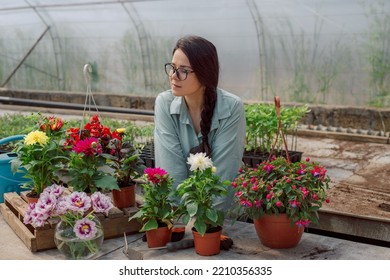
(203, 58)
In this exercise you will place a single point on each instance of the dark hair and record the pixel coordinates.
(203, 58)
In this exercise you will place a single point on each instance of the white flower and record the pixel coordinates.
(199, 161)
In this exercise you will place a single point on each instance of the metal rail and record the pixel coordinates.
(70, 106)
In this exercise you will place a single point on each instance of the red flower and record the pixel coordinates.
(268, 167)
(52, 123)
(318, 171)
(155, 175)
(89, 147)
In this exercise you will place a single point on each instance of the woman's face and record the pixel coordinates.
(190, 86)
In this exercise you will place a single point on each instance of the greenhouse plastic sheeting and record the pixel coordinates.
(317, 51)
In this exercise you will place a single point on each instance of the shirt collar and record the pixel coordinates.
(222, 111)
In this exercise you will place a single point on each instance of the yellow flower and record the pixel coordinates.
(121, 130)
(36, 137)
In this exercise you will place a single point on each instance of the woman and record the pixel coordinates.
(197, 116)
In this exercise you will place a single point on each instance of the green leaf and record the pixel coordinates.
(192, 208)
(149, 225)
(137, 215)
(107, 182)
(200, 226)
(212, 215)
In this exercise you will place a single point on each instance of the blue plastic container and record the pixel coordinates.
(9, 182)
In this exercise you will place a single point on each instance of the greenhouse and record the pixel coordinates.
(117, 145)
(318, 52)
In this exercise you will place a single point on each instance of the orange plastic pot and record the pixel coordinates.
(275, 231)
(158, 237)
(209, 244)
(124, 197)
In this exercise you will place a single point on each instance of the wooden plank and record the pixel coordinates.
(354, 225)
(343, 136)
(15, 203)
(19, 228)
(45, 239)
(115, 227)
(42, 238)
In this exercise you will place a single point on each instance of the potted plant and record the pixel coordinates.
(198, 193)
(125, 159)
(79, 233)
(278, 192)
(157, 211)
(40, 155)
(262, 128)
(87, 157)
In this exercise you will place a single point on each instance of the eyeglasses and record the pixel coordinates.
(181, 72)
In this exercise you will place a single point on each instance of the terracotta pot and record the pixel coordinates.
(32, 197)
(158, 237)
(275, 231)
(209, 244)
(125, 197)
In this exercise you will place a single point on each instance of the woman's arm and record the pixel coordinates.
(168, 150)
(228, 149)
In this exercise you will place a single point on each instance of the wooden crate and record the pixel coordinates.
(42, 238)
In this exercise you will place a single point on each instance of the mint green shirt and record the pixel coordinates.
(174, 136)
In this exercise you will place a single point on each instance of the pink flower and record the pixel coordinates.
(54, 189)
(318, 171)
(79, 202)
(303, 223)
(269, 196)
(46, 204)
(234, 184)
(304, 191)
(278, 203)
(85, 229)
(257, 203)
(101, 203)
(238, 194)
(314, 196)
(155, 175)
(89, 147)
(301, 171)
(268, 167)
(294, 203)
(246, 203)
(255, 188)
